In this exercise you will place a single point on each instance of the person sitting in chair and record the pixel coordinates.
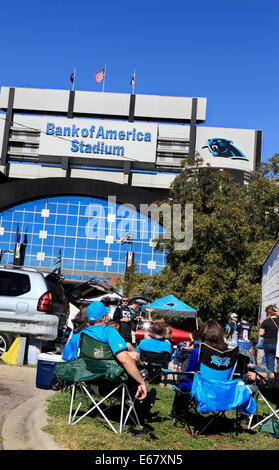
(97, 315)
(156, 342)
(212, 334)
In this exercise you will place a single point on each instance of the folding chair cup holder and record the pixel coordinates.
(98, 377)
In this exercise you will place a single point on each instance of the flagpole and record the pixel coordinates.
(134, 82)
(74, 78)
(105, 69)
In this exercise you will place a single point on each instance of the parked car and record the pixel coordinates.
(178, 336)
(32, 303)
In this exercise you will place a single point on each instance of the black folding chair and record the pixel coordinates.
(152, 366)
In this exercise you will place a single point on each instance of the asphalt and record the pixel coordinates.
(22, 427)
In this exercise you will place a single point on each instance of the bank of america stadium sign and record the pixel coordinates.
(99, 138)
(103, 140)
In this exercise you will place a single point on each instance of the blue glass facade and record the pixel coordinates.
(88, 230)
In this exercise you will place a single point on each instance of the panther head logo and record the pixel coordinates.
(224, 148)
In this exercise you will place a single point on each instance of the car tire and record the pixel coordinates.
(6, 340)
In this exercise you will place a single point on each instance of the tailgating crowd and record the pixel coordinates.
(120, 334)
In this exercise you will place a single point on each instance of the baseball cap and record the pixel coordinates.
(96, 310)
(234, 315)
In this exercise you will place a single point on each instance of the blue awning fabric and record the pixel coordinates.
(171, 306)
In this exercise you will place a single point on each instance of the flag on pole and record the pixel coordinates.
(132, 82)
(73, 77)
(17, 237)
(23, 246)
(127, 238)
(100, 76)
(25, 237)
(56, 267)
(17, 248)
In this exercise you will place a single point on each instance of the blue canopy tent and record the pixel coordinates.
(172, 307)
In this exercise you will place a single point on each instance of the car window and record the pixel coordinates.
(14, 284)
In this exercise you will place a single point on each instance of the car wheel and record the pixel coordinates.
(6, 340)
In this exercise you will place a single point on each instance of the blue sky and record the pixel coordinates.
(226, 51)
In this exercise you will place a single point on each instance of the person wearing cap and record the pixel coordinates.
(97, 316)
(231, 326)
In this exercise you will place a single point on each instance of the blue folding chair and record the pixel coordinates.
(214, 387)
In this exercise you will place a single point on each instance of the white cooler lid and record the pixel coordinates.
(50, 357)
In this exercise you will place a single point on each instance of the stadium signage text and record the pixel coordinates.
(101, 136)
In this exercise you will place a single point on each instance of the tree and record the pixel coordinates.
(234, 227)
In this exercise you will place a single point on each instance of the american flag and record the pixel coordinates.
(100, 76)
(133, 79)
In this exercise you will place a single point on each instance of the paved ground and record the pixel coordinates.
(22, 412)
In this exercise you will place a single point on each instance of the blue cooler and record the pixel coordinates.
(244, 345)
(45, 377)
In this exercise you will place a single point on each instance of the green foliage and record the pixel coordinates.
(234, 228)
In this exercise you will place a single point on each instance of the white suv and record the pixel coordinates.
(32, 303)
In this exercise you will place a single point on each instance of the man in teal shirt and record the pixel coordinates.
(97, 316)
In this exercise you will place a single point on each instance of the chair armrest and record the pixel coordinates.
(175, 372)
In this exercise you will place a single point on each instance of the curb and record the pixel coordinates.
(22, 429)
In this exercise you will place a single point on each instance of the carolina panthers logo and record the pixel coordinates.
(224, 148)
(219, 361)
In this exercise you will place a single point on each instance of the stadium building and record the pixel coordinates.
(79, 170)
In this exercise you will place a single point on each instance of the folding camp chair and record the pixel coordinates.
(181, 355)
(265, 391)
(181, 383)
(214, 388)
(152, 366)
(99, 378)
(244, 359)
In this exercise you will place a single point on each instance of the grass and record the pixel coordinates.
(159, 432)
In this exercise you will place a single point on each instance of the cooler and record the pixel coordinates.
(244, 345)
(45, 377)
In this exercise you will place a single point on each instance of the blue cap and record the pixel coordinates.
(96, 310)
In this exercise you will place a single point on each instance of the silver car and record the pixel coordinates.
(32, 303)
